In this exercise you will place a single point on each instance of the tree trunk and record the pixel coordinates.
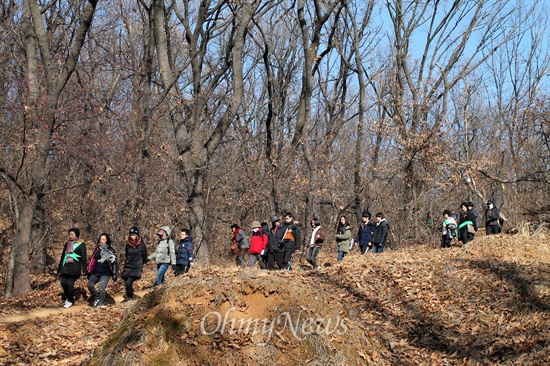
(21, 248)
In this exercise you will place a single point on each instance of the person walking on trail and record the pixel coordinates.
(492, 214)
(102, 266)
(184, 256)
(315, 242)
(265, 229)
(258, 245)
(164, 255)
(135, 256)
(380, 237)
(239, 236)
(71, 264)
(365, 233)
(448, 230)
(343, 238)
(291, 240)
(467, 226)
(275, 244)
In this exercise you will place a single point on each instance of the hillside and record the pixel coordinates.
(487, 303)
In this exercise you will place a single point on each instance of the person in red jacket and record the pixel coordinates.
(258, 245)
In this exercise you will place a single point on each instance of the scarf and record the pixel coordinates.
(70, 255)
(106, 254)
(69, 250)
(133, 243)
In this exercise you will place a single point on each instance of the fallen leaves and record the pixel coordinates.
(486, 303)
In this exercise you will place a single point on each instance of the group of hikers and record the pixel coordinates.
(464, 226)
(272, 248)
(103, 263)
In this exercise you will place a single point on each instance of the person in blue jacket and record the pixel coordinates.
(365, 233)
(184, 253)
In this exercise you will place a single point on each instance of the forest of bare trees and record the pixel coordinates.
(199, 114)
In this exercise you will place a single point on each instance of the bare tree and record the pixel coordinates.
(40, 120)
(458, 38)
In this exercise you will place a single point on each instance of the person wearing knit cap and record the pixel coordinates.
(135, 256)
(164, 255)
(258, 245)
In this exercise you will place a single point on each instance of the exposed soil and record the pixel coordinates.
(484, 304)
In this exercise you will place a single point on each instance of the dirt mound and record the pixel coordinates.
(487, 303)
(234, 317)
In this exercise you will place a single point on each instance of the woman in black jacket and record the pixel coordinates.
(380, 237)
(102, 266)
(71, 264)
(136, 256)
(467, 226)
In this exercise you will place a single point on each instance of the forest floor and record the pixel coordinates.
(487, 303)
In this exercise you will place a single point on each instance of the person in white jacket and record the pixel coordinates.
(448, 230)
(164, 255)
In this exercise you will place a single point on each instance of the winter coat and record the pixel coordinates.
(365, 234)
(184, 254)
(275, 239)
(491, 217)
(242, 239)
(258, 242)
(106, 267)
(135, 258)
(343, 239)
(446, 222)
(291, 237)
(78, 264)
(380, 237)
(319, 238)
(164, 252)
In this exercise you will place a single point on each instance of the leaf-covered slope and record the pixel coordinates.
(486, 303)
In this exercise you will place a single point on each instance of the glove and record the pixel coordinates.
(263, 252)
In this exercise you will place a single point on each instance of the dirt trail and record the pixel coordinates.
(44, 312)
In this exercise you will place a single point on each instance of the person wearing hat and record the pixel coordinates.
(258, 245)
(164, 255)
(135, 256)
(491, 219)
(275, 245)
